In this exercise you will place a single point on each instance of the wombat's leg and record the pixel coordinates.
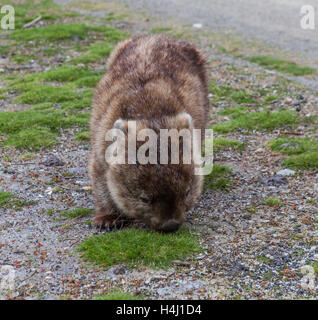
(105, 208)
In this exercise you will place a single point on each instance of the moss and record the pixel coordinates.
(66, 74)
(272, 202)
(47, 93)
(36, 129)
(32, 139)
(315, 266)
(233, 112)
(223, 143)
(218, 178)
(282, 65)
(221, 92)
(5, 197)
(293, 145)
(10, 201)
(84, 135)
(77, 213)
(23, 59)
(139, 247)
(262, 120)
(90, 81)
(117, 295)
(305, 161)
(96, 52)
(53, 32)
(160, 30)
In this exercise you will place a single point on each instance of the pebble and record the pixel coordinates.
(286, 172)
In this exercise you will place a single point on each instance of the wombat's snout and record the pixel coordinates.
(170, 226)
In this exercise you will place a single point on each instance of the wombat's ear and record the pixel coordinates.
(121, 125)
(184, 120)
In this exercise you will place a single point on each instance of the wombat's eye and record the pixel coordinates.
(144, 199)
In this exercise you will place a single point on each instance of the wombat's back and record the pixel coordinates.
(150, 77)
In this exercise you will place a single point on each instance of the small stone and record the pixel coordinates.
(286, 172)
(198, 25)
(53, 161)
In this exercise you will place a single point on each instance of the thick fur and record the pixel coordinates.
(158, 82)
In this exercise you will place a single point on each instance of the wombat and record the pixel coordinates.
(159, 83)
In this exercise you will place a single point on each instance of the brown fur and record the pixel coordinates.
(152, 80)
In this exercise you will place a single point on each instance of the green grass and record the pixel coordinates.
(282, 65)
(223, 143)
(293, 146)
(139, 247)
(218, 178)
(66, 74)
(118, 295)
(47, 93)
(160, 30)
(77, 213)
(221, 93)
(90, 81)
(96, 52)
(272, 202)
(262, 120)
(233, 112)
(305, 161)
(56, 32)
(10, 201)
(304, 151)
(84, 135)
(37, 129)
(5, 198)
(32, 139)
(315, 266)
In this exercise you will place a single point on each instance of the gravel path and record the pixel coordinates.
(276, 22)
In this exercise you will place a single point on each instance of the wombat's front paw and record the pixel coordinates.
(109, 223)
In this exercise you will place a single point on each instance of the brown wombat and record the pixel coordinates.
(159, 83)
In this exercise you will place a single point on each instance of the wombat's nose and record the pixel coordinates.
(170, 226)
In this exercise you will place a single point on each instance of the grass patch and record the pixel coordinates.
(222, 93)
(223, 143)
(37, 129)
(233, 112)
(139, 247)
(272, 202)
(96, 52)
(315, 266)
(305, 161)
(77, 213)
(55, 32)
(9, 201)
(160, 30)
(118, 295)
(83, 136)
(90, 81)
(66, 73)
(262, 120)
(32, 139)
(218, 178)
(282, 65)
(293, 145)
(47, 93)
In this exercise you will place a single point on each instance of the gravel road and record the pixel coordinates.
(276, 22)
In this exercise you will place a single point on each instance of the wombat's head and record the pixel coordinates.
(158, 194)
